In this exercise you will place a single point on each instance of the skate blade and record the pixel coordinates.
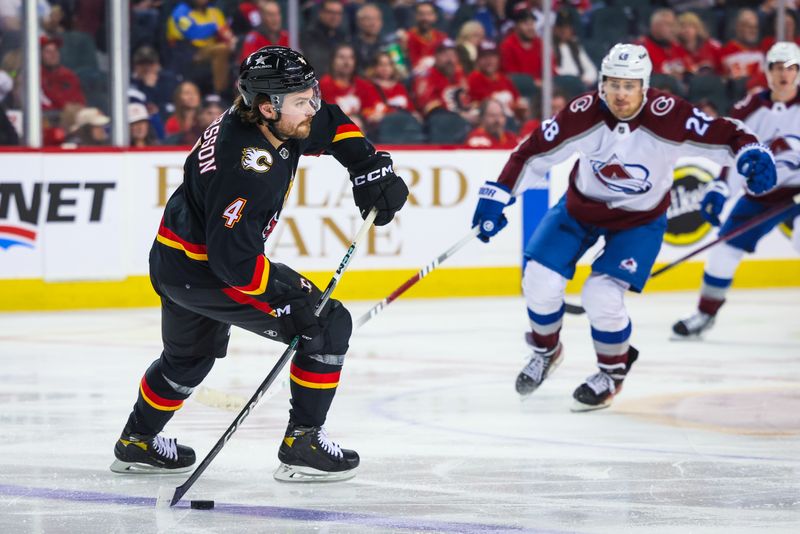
(297, 473)
(578, 406)
(134, 468)
(690, 337)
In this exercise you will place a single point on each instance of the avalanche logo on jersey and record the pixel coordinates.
(630, 179)
(256, 159)
(786, 150)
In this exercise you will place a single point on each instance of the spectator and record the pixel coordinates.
(444, 85)
(322, 36)
(8, 134)
(558, 102)
(367, 41)
(741, 56)
(156, 84)
(667, 55)
(521, 50)
(357, 98)
(386, 78)
(703, 50)
(487, 82)
(139, 123)
(211, 109)
(423, 39)
(491, 131)
(89, 128)
(145, 21)
(790, 30)
(484, 12)
(268, 32)
(59, 84)
(570, 55)
(183, 123)
(245, 17)
(199, 34)
(469, 39)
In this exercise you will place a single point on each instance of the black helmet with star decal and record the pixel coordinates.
(275, 71)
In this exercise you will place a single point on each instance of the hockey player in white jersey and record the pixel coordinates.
(774, 116)
(628, 137)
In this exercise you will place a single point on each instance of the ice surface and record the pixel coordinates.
(704, 438)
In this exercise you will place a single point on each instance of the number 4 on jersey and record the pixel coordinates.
(233, 212)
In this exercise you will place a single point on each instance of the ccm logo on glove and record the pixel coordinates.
(373, 175)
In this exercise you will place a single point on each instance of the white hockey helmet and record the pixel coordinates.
(626, 61)
(784, 52)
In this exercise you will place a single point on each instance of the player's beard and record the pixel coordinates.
(299, 131)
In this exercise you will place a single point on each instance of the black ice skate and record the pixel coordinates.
(542, 363)
(599, 389)
(308, 455)
(693, 327)
(139, 453)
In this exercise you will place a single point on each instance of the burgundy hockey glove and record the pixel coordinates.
(376, 184)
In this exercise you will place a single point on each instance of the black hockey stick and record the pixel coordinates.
(287, 355)
(749, 225)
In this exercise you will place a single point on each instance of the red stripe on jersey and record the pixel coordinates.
(241, 298)
(190, 247)
(317, 378)
(344, 128)
(158, 399)
(258, 284)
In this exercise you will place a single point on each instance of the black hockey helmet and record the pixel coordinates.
(274, 71)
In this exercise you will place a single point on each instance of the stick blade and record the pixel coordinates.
(166, 497)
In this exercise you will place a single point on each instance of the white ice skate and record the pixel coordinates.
(693, 327)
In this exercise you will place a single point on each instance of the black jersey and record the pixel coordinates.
(235, 183)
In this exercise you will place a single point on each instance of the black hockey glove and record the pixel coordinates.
(293, 298)
(376, 184)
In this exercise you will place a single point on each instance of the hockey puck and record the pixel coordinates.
(202, 505)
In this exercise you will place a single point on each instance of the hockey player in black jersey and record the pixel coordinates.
(208, 265)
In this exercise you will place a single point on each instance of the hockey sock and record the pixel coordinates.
(545, 328)
(160, 396)
(612, 351)
(712, 293)
(313, 384)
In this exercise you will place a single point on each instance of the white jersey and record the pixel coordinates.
(776, 124)
(623, 175)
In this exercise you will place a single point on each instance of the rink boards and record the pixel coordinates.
(76, 228)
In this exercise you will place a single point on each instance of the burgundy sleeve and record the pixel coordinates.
(554, 140)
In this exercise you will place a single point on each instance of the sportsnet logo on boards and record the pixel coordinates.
(685, 225)
(631, 179)
(14, 235)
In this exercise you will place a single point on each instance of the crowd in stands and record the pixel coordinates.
(407, 72)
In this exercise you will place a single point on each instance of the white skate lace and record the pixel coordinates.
(167, 447)
(535, 367)
(330, 447)
(601, 382)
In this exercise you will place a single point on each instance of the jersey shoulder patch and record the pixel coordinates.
(256, 159)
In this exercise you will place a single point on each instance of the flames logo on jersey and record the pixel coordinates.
(630, 179)
(256, 159)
